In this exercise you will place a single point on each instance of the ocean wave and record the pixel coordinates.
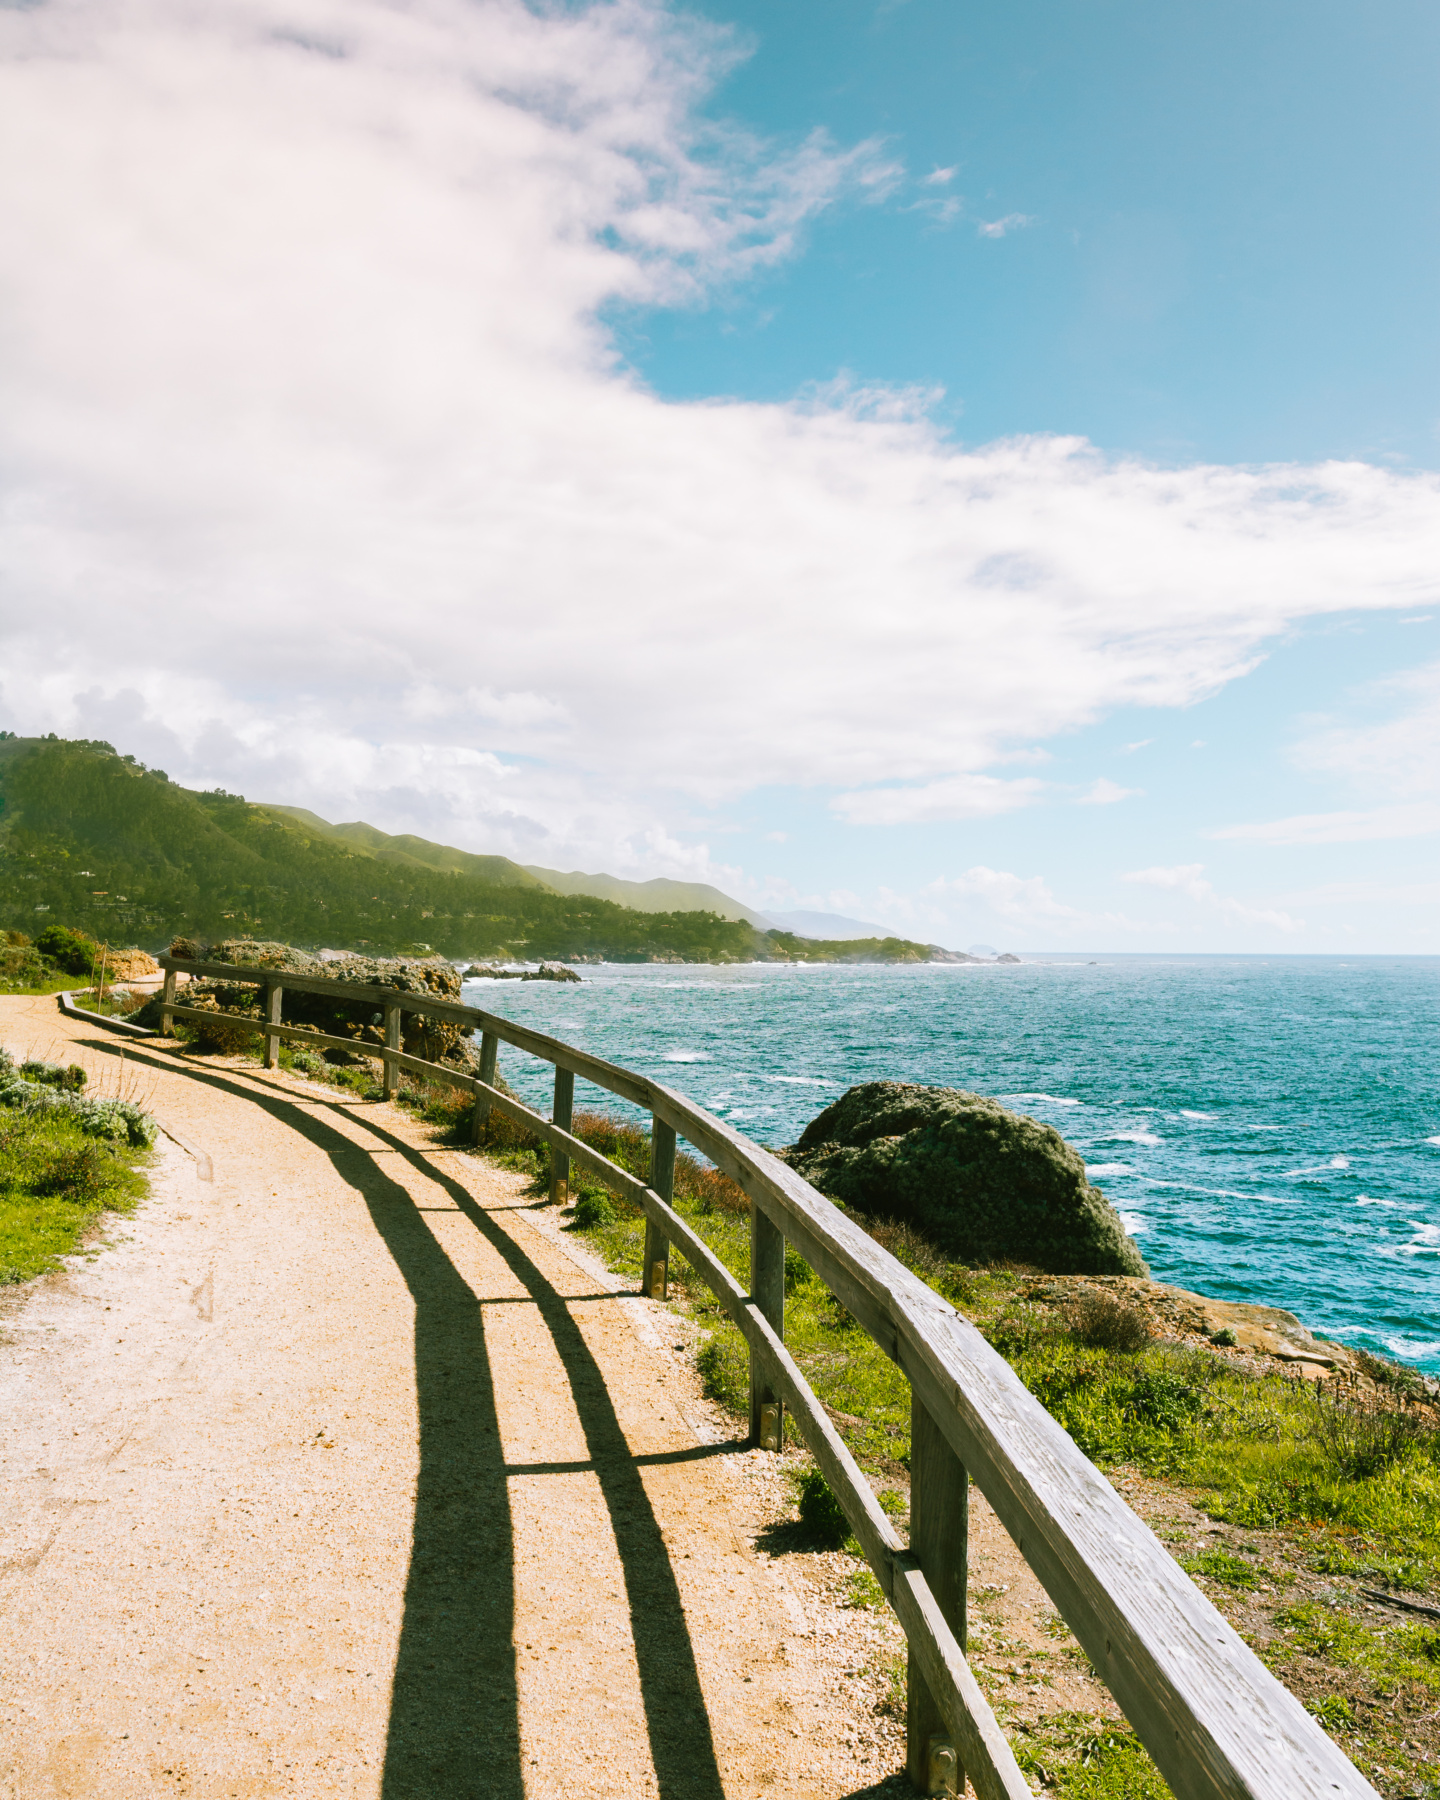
(1133, 1223)
(1189, 1187)
(1132, 1137)
(1411, 1348)
(1369, 1200)
(802, 1080)
(1108, 1169)
(1434, 1140)
(1049, 1099)
(1335, 1162)
(1185, 1114)
(685, 1056)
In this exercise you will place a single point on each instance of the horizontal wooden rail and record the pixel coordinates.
(1218, 1724)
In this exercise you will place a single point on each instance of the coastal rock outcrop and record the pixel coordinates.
(983, 1183)
(436, 1039)
(548, 971)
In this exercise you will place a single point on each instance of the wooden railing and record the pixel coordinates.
(1217, 1723)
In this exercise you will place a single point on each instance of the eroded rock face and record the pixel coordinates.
(983, 1183)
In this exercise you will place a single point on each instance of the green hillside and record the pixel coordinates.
(94, 840)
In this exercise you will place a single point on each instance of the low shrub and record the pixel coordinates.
(594, 1209)
(1105, 1322)
(77, 1172)
(820, 1511)
(69, 950)
(1361, 1438)
(724, 1366)
(53, 1074)
(119, 1121)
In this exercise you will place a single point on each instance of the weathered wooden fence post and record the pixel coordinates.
(656, 1278)
(563, 1115)
(167, 1000)
(767, 1290)
(393, 1022)
(939, 1533)
(274, 998)
(489, 1046)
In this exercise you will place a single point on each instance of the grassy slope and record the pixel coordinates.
(1226, 1463)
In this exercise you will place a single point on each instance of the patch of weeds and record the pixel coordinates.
(1105, 1322)
(55, 1179)
(1334, 1712)
(1358, 1438)
(820, 1511)
(1371, 1565)
(862, 1590)
(594, 1209)
(724, 1364)
(892, 1502)
(892, 1676)
(1079, 1757)
(1220, 1565)
(1394, 1653)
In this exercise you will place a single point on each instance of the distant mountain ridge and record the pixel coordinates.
(659, 895)
(826, 926)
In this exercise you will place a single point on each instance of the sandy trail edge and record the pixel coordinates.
(335, 1475)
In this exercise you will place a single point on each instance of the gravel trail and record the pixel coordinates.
(339, 1473)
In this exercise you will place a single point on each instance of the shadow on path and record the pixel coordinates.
(455, 1705)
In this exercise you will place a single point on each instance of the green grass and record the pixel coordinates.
(54, 1182)
(1393, 1654)
(1080, 1757)
(1340, 1486)
(1259, 1449)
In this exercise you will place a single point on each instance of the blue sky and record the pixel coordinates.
(972, 468)
(1232, 250)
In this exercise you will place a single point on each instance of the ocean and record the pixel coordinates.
(1268, 1127)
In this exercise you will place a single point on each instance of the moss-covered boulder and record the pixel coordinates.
(983, 1183)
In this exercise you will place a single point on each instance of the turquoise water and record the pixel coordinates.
(1268, 1127)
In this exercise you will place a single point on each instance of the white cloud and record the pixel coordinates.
(315, 440)
(1396, 755)
(1020, 899)
(999, 228)
(1104, 792)
(1188, 879)
(1380, 822)
(1139, 744)
(938, 177)
(956, 797)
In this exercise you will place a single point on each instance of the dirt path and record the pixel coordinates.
(337, 1474)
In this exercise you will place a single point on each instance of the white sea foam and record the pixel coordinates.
(1132, 1222)
(685, 1056)
(1367, 1200)
(1108, 1169)
(1185, 1114)
(1412, 1348)
(1335, 1162)
(1434, 1140)
(1189, 1187)
(1134, 1137)
(1048, 1099)
(801, 1080)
